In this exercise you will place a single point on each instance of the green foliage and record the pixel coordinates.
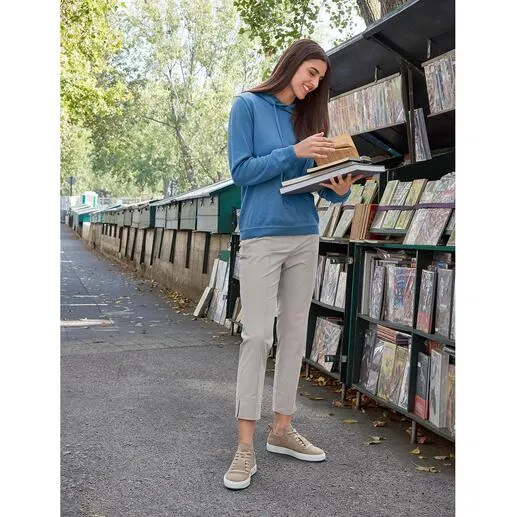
(89, 86)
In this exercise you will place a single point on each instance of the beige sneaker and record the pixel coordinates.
(242, 468)
(293, 444)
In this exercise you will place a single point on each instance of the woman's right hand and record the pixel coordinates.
(314, 146)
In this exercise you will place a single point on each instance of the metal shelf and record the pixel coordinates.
(441, 431)
(435, 337)
(389, 324)
(329, 307)
(310, 362)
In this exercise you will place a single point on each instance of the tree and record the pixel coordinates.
(276, 24)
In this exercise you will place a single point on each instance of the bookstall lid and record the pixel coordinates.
(406, 31)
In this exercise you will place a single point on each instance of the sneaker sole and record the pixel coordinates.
(238, 485)
(294, 454)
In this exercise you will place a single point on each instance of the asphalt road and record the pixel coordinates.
(147, 428)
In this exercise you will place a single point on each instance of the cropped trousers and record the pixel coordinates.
(275, 272)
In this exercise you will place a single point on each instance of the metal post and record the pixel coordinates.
(358, 400)
(413, 431)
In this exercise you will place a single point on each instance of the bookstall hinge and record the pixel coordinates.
(335, 358)
(350, 260)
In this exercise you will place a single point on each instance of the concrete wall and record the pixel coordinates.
(174, 275)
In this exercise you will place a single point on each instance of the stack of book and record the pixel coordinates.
(371, 107)
(428, 223)
(336, 219)
(327, 338)
(331, 280)
(385, 366)
(435, 387)
(377, 301)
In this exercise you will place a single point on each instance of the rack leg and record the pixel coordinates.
(358, 400)
(343, 393)
(413, 431)
(306, 370)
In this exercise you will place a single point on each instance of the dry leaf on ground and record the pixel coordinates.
(379, 423)
(420, 468)
(440, 457)
(415, 451)
(350, 421)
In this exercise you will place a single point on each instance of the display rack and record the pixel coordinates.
(359, 323)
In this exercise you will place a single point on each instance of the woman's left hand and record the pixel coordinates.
(341, 185)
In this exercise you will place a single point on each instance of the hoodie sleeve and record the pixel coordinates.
(246, 168)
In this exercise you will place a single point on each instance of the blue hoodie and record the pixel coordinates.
(261, 154)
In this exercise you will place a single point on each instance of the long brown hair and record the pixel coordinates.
(310, 115)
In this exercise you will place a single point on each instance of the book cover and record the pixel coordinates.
(386, 370)
(400, 291)
(341, 287)
(399, 198)
(312, 182)
(415, 191)
(444, 292)
(325, 218)
(375, 366)
(377, 292)
(333, 221)
(424, 320)
(319, 277)
(385, 200)
(420, 214)
(331, 335)
(369, 258)
(347, 215)
(404, 387)
(317, 342)
(369, 192)
(451, 394)
(438, 378)
(330, 281)
(366, 358)
(421, 405)
(401, 358)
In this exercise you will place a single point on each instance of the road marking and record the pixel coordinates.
(85, 322)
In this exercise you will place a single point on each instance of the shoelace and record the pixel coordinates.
(301, 440)
(241, 456)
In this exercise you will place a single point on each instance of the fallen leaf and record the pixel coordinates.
(440, 457)
(350, 421)
(363, 410)
(313, 397)
(377, 438)
(426, 469)
(422, 457)
(379, 423)
(337, 403)
(447, 464)
(415, 451)
(424, 439)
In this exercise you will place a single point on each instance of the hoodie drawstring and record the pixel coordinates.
(279, 134)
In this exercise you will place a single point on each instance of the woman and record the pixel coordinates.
(276, 131)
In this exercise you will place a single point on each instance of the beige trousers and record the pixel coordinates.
(274, 270)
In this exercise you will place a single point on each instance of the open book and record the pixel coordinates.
(311, 182)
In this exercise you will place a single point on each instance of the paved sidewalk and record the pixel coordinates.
(148, 429)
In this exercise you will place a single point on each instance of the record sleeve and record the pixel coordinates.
(424, 320)
(451, 395)
(400, 290)
(415, 191)
(421, 406)
(385, 200)
(439, 375)
(399, 197)
(444, 292)
(375, 367)
(404, 387)
(369, 345)
(341, 287)
(330, 281)
(377, 292)
(401, 358)
(386, 370)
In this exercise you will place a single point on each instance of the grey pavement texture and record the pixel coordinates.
(147, 425)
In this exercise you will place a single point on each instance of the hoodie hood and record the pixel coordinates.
(271, 99)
